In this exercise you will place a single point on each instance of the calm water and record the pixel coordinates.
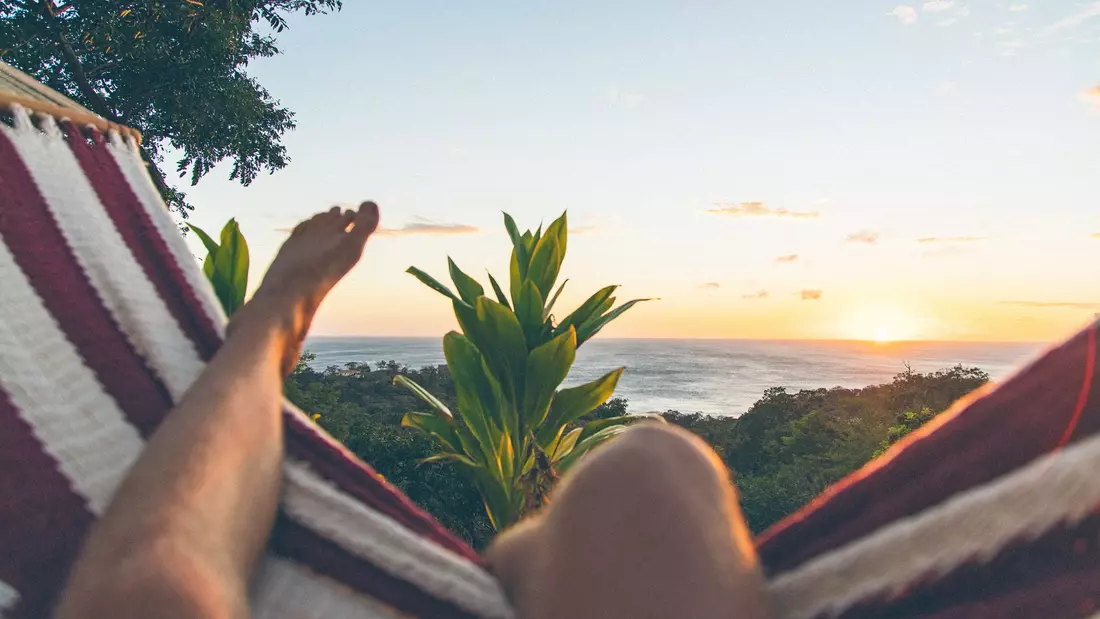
(717, 377)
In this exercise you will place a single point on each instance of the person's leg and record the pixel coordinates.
(648, 526)
(189, 523)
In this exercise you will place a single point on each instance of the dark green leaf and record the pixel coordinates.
(439, 457)
(571, 404)
(422, 393)
(547, 366)
(586, 310)
(521, 256)
(564, 445)
(593, 427)
(211, 246)
(464, 361)
(529, 313)
(467, 287)
(547, 256)
(501, 297)
(553, 300)
(592, 328)
(431, 282)
(438, 427)
(583, 447)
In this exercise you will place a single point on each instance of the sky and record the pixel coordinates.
(844, 170)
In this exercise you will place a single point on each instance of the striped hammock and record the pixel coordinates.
(106, 319)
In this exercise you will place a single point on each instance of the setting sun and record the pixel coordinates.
(883, 324)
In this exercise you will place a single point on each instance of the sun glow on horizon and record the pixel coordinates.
(883, 325)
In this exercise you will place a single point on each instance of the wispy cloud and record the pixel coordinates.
(810, 294)
(759, 209)
(1083, 14)
(427, 227)
(756, 296)
(1092, 97)
(1075, 305)
(868, 237)
(1016, 8)
(935, 6)
(787, 258)
(905, 14)
(619, 97)
(952, 239)
(710, 286)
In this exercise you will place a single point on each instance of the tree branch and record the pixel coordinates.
(95, 100)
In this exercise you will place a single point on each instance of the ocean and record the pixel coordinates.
(715, 377)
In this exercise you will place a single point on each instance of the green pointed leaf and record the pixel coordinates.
(464, 361)
(498, 501)
(431, 282)
(564, 445)
(529, 313)
(553, 300)
(583, 313)
(571, 404)
(591, 328)
(211, 246)
(583, 447)
(547, 256)
(439, 457)
(507, 455)
(438, 427)
(497, 333)
(467, 287)
(593, 427)
(528, 240)
(422, 393)
(547, 366)
(521, 256)
(501, 297)
(231, 264)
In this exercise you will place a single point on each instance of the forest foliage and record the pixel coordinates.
(786, 449)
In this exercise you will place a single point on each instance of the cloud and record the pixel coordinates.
(935, 6)
(952, 239)
(759, 294)
(787, 258)
(1072, 21)
(580, 230)
(864, 236)
(1091, 96)
(710, 286)
(905, 14)
(810, 294)
(1016, 8)
(759, 209)
(1075, 305)
(623, 98)
(426, 227)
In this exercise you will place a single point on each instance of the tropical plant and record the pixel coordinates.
(226, 265)
(514, 430)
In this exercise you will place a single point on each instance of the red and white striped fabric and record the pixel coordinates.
(105, 320)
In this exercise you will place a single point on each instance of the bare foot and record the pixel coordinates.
(319, 252)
